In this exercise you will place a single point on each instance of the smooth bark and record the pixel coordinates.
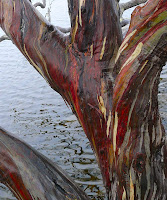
(68, 62)
(111, 87)
(42, 5)
(30, 175)
(131, 4)
(139, 139)
(4, 37)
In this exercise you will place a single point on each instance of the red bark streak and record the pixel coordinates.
(80, 67)
(31, 175)
(10, 173)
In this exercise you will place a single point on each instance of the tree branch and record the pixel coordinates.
(87, 20)
(31, 175)
(140, 133)
(31, 34)
(42, 5)
(4, 37)
(131, 4)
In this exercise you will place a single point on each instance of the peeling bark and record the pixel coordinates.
(139, 139)
(67, 63)
(110, 85)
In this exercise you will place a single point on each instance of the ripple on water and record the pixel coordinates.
(34, 112)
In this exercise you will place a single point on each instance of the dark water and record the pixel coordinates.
(37, 114)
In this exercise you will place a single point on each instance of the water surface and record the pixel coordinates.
(37, 114)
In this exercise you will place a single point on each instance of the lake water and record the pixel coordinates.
(37, 114)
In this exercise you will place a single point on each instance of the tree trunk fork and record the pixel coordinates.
(111, 85)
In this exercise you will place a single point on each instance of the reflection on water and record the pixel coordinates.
(37, 114)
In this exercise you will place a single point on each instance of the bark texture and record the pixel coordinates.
(31, 175)
(72, 65)
(138, 135)
(110, 85)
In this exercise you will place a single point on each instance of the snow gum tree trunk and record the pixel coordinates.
(111, 85)
(138, 135)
